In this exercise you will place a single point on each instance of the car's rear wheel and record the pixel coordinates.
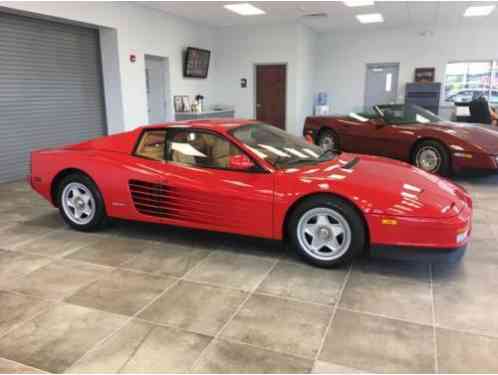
(328, 140)
(326, 231)
(432, 157)
(80, 203)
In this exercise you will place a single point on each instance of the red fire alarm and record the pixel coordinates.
(133, 58)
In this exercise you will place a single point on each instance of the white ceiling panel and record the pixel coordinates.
(334, 15)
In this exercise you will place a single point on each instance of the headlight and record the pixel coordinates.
(496, 159)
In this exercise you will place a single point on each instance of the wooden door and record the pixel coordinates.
(271, 82)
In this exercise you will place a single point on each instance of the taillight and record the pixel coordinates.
(309, 139)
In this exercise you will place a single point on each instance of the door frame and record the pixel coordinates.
(255, 88)
(379, 65)
(169, 112)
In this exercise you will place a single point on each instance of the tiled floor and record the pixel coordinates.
(145, 298)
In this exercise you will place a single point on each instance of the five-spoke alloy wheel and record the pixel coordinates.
(326, 230)
(80, 202)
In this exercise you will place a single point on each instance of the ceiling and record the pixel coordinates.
(423, 15)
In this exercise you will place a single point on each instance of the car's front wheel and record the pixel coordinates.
(80, 203)
(326, 231)
(432, 157)
(328, 140)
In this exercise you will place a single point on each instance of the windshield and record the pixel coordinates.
(278, 147)
(407, 114)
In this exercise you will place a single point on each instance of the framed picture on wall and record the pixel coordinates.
(425, 75)
(178, 100)
(186, 103)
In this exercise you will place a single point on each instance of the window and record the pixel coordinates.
(466, 81)
(200, 148)
(278, 147)
(151, 145)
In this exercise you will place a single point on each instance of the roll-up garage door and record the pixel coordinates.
(50, 89)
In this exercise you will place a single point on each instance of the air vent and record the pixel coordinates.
(148, 198)
(163, 201)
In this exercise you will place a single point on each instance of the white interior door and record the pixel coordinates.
(381, 85)
(156, 83)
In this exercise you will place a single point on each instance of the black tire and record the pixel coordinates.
(99, 219)
(327, 135)
(347, 211)
(443, 167)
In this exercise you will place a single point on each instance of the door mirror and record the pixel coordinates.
(240, 162)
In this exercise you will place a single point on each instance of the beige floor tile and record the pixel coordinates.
(14, 265)
(466, 353)
(378, 344)
(232, 270)
(167, 350)
(55, 339)
(59, 242)
(322, 367)
(278, 324)
(390, 296)
(122, 292)
(16, 308)
(195, 307)
(11, 367)
(58, 279)
(304, 282)
(110, 251)
(167, 259)
(16, 234)
(228, 357)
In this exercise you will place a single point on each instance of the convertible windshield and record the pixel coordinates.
(278, 147)
(407, 114)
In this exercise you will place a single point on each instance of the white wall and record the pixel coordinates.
(138, 31)
(342, 58)
(238, 49)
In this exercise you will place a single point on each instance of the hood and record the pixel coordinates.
(387, 187)
(481, 136)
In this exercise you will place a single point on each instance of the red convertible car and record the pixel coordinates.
(254, 179)
(412, 134)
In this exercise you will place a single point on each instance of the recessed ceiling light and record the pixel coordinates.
(244, 9)
(481, 10)
(358, 3)
(370, 18)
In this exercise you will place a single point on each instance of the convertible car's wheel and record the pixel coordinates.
(432, 157)
(328, 140)
(326, 231)
(80, 203)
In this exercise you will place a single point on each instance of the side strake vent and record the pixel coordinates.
(164, 201)
(148, 198)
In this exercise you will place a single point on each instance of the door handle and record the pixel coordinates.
(258, 105)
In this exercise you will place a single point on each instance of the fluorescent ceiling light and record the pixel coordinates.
(370, 18)
(479, 10)
(244, 9)
(358, 3)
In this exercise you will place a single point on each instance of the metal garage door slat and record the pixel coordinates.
(50, 89)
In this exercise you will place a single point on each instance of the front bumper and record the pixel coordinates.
(413, 237)
(418, 254)
(463, 162)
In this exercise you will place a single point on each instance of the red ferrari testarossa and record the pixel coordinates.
(253, 179)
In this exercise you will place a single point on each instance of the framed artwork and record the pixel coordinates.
(425, 75)
(186, 103)
(178, 100)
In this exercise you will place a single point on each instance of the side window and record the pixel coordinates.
(151, 145)
(201, 149)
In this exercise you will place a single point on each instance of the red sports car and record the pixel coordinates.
(253, 179)
(412, 134)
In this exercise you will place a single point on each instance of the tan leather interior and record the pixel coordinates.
(152, 145)
(216, 149)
